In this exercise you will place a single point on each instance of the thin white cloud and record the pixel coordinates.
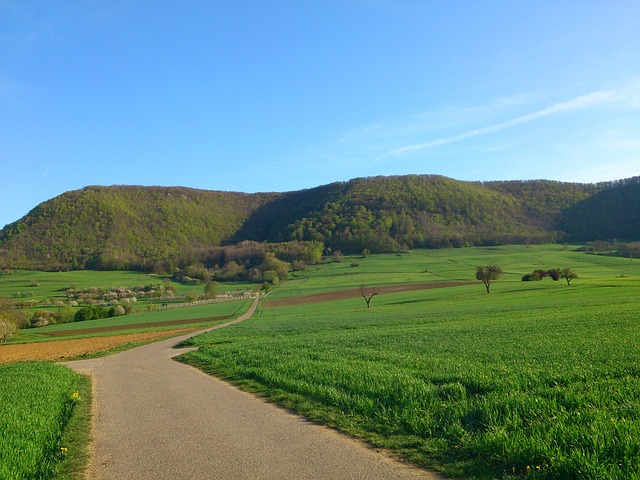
(583, 101)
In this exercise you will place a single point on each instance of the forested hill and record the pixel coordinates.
(122, 227)
(161, 227)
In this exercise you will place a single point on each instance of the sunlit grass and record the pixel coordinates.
(36, 403)
(535, 380)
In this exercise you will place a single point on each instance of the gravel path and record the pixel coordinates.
(155, 418)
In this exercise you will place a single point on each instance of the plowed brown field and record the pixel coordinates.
(355, 293)
(62, 349)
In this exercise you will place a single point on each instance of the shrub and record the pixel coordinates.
(42, 318)
(118, 311)
(540, 273)
(64, 314)
(211, 288)
(85, 313)
(555, 273)
(92, 312)
(271, 276)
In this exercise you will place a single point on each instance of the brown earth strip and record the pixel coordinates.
(62, 349)
(133, 326)
(355, 293)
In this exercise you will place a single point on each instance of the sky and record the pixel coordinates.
(257, 96)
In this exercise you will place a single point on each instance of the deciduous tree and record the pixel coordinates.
(367, 296)
(488, 273)
(211, 288)
(568, 274)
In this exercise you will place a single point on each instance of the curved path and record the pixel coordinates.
(155, 418)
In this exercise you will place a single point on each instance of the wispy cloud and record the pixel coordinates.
(605, 128)
(580, 102)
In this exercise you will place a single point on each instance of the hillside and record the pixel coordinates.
(123, 227)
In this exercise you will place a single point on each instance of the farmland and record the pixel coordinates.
(48, 292)
(98, 337)
(535, 380)
(39, 401)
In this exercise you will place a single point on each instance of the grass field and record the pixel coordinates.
(535, 380)
(36, 403)
(39, 437)
(133, 323)
(52, 285)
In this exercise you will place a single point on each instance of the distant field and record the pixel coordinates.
(138, 322)
(535, 380)
(53, 284)
(426, 266)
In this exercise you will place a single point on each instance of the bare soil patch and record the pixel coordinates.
(355, 293)
(62, 349)
(89, 331)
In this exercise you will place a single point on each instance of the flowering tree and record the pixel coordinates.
(7, 328)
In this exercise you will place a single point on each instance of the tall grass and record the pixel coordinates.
(535, 380)
(36, 403)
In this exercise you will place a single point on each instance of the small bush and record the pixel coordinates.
(555, 273)
(42, 318)
(539, 274)
(92, 312)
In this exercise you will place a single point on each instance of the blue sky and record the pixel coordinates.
(283, 95)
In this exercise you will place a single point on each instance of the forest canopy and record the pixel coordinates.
(167, 228)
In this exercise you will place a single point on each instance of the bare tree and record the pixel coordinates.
(367, 297)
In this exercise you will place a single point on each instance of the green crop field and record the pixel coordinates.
(53, 284)
(535, 380)
(37, 401)
(138, 322)
(49, 286)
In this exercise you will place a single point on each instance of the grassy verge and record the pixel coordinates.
(536, 380)
(77, 436)
(37, 403)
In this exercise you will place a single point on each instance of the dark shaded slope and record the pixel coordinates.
(543, 201)
(273, 220)
(612, 213)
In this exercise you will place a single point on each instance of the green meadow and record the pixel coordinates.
(136, 322)
(37, 401)
(535, 380)
(51, 285)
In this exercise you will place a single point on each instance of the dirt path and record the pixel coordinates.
(155, 418)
